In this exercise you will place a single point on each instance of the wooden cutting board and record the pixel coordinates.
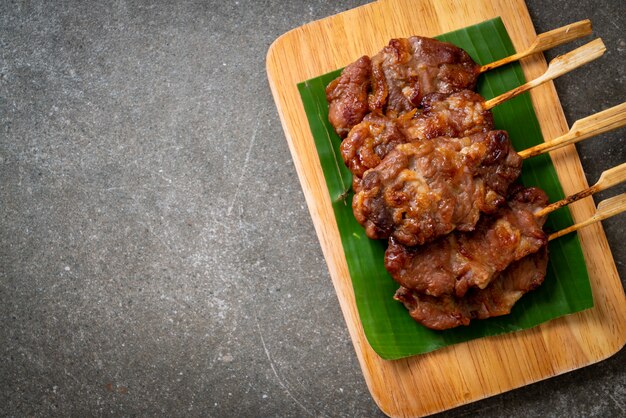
(465, 372)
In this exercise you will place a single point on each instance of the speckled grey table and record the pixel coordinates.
(156, 254)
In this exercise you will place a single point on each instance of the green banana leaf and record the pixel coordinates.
(389, 329)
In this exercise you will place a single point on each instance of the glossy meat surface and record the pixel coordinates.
(369, 142)
(422, 190)
(347, 96)
(497, 299)
(408, 69)
(459, 261)
(458, 114)
(395, 80)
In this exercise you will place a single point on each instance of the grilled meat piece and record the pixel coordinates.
(497, 299)
(422, 190)
(408, 69)
(347, 96)
(459, 261)
(455, 115)
(396, 80)
(369, 142)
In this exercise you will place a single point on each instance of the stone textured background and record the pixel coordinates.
(156, 254)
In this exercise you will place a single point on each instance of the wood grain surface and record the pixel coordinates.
(465, 372)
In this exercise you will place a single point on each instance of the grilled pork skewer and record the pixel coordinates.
(425, 189)
(395, 80)
(499, 297)
(459, 114)
(428, 188)
(459, 261)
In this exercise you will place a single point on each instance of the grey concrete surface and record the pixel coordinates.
(156, 254)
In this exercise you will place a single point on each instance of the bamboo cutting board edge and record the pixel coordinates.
(553, 348)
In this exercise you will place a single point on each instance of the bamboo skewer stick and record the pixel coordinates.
(606, 209)
(546, 41)
(557, 67)
(601, 122)
(608, 178)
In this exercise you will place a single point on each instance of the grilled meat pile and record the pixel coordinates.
(433, 176)
(455, 115)
(496, 299)
(459, 261)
